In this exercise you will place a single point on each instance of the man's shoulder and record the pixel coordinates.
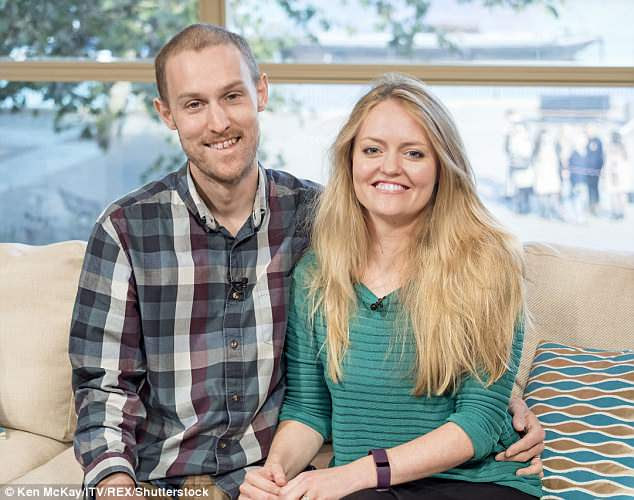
(155, 192)
(287, 184)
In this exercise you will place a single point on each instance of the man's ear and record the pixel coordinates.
(164, 112)
(263, 91)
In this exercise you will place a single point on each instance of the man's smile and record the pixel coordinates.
(226, 144)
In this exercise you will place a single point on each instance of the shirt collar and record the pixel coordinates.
(207, 218)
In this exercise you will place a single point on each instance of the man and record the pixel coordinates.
(594, 162)
(179, 322)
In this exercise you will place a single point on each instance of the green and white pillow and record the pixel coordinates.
(584, 398)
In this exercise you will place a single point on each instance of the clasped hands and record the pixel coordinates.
(270, 483)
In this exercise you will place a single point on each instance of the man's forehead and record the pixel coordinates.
(217, 64)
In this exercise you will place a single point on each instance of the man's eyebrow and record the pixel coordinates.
(189, 95)
(232, 85)
(236, 84)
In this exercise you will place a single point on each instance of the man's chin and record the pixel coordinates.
(224, 174)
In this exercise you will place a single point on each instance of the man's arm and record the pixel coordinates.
(531, 444)
(107, 360)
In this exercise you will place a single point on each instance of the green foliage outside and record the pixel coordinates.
(136, 29)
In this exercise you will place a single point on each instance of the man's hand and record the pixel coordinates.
(323, 484)
(263, 483)
(531, 444)
(116, 480)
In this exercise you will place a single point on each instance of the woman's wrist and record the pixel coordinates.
(361, 474)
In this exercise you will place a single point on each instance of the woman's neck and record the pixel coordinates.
(386, 258)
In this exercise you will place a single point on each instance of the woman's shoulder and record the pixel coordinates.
(305, 265)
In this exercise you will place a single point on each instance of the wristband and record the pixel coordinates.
(382, 464)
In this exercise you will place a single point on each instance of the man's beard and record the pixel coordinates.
(215, 174)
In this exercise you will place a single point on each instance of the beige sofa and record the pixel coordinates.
(576, 296)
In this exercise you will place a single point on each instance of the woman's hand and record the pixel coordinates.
(263, 483)
(531, 444)
(332, 483)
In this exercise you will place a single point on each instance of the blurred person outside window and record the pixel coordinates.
(520, 176)
(618, 176)
(594, 162)
(547, 184)
(577, 168)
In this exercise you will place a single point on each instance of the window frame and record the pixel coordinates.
(214, 11)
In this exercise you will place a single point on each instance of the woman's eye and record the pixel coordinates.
(370, 150)
(417, 155)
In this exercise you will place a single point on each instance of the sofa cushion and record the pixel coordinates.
(24, 451)
(37, 294)
(578, 297)
(61, 469)
(584, 398)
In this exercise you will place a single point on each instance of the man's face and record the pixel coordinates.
(213, 103)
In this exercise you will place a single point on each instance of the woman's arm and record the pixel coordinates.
(294, 446)
(306, 412)
(472, 432)
(436, 451)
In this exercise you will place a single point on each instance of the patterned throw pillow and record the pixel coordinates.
(3, 433)
(584, 398)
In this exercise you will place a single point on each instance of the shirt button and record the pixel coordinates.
(234, 344)
(222, 445)
(235, 397)
(236, 295)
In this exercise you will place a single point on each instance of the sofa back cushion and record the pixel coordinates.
(37, 292)
(577, 297)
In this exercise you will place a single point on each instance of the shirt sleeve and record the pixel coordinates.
(107, 359)
(307, 398)
(482, 412)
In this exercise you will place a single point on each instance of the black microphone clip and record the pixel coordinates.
(378, 304)
(239, 284)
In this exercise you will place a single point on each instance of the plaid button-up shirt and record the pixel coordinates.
(178, 329)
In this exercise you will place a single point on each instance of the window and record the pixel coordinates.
(405, 32)
(60, 170)
(100, 31)
(79, 132)
(539, 195)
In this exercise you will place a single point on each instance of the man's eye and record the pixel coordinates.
(370, 150)
(193, 105)
(233, 96)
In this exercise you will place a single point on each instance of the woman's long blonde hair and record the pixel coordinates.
(464, 289)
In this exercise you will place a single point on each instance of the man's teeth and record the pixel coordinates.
(224, 144)
(385, 186)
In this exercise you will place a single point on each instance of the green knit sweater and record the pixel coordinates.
(373, 405)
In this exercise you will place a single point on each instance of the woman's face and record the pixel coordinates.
(394, 167)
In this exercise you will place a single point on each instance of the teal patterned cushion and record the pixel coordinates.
(3, 433)
(584, 398)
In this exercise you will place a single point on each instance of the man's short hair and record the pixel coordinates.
(198, 37)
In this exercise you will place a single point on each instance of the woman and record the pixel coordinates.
(403, 333)
(617, 175)
(547, 184)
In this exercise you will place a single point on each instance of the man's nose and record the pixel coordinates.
(217, 119)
